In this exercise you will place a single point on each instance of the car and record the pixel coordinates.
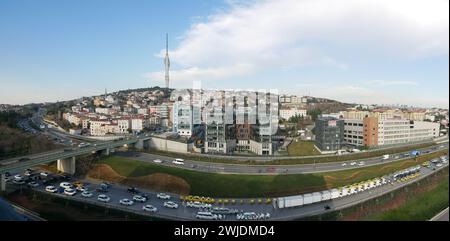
(344, 164)
(70, 191)
(149, 208)
(198, 205)
(126, 202)
(157, 161)
(208, 216)
(170, 204)
(33, 184)
(44, 174)
(133, 190)
(163, 196)
(103, 198)
(178, 161)
(76, 184)
(439, 165)
(361, 163)
(28, 172)
(18, 177)
(81, 188)
(87, 194)
(327, 207)
(65, 185)
(24, 159)
(51, 189)
(353, 163)
(139, 198)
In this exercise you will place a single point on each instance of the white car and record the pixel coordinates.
(163, 196)
(70, 191)
(170, 204)
(439, 165)
(139, 198)
(103, 198)
(198, 205)
(344, 164)
(178, 161)
(87, 194)
(157, 161)
(81, 188)
(51, 189)
(33, 184)
(65, 185)
(361, 164)
(149, 208)
(18, 177)
(353, 163)
(208, 216)
(44, 174)
(126, 202)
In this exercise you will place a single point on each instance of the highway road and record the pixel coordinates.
(442, 216)
(117, 193)
(222, 168)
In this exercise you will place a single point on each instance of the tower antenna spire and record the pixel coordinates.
(167, 61)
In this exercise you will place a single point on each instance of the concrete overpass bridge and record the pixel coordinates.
(65, 158)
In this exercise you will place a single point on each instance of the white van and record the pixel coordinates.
(178, 161)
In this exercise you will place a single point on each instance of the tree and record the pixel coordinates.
(314, 113)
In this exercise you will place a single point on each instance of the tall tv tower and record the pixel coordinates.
(167, 61)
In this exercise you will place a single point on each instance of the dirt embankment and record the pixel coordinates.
(157, 181)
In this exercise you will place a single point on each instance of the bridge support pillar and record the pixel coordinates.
(2, 182)
(66, 165)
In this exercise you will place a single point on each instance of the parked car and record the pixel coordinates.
(157, 161)
(51, 189)
(126, 202)
(70, 191)
(170, 204)
(133, 190)
(163, 196)
(33, 184)
(103, 198)
(87, 194)
(65, 185)
(149, 208)
(139, 198)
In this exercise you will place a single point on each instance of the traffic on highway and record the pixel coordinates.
(176, 207)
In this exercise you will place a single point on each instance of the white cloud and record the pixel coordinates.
(289, 33)
(392, 82)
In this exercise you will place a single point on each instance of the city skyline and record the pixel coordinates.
(399, 59)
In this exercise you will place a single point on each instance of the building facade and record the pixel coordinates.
(329, 134)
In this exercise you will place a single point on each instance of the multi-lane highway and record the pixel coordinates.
(117, 192)
(214, 167)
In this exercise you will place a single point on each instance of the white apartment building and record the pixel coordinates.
(105, 111)
(124, 125)
(138, 124)
(72, 118)
(97, 127)
(291, 112)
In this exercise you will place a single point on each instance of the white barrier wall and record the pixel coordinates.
(162, 144)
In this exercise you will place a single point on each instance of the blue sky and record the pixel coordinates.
(356, 51)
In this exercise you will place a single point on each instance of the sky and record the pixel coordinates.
(357, 51)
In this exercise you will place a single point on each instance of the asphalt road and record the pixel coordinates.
(223, 168)
(442, 216)
(186, 213)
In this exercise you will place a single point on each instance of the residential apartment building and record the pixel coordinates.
(287, 113)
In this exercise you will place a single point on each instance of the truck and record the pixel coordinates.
(326, 195)
(293, 201)
(316, 197)
(334, 193)
(307, 199)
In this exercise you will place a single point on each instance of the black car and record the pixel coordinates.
(327, 207)
(133, 190)
(145, 196)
